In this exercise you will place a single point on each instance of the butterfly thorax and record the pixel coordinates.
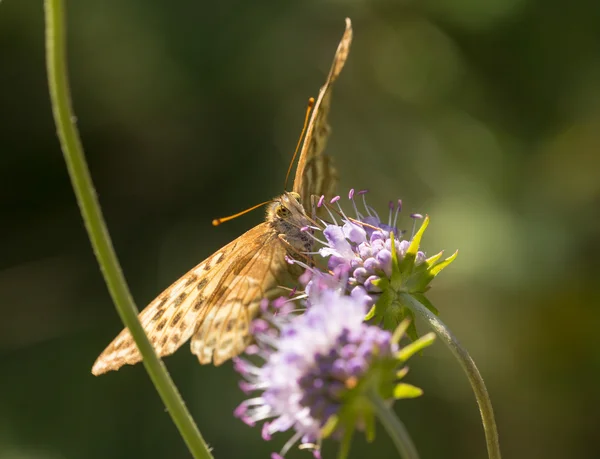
(288, 218)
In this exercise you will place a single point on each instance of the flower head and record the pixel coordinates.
(317, 368)
(380, 267)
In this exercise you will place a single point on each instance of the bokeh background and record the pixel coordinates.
(485, 115)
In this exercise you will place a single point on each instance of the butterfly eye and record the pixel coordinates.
(283, 212)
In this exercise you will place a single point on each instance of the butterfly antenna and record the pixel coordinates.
(218, 221)
(311, 104)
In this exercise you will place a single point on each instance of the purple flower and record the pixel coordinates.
(314, 365)
(363, 247)
(376, 266)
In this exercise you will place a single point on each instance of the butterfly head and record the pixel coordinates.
(289, 219)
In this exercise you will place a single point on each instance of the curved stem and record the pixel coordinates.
(97, 231)
(394, 427)
(468, 365)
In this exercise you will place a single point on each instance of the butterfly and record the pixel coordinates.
(215, 302)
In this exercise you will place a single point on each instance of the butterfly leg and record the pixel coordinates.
(292, 249)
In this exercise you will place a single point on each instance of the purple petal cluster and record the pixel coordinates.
(362, 247)
(310, 361)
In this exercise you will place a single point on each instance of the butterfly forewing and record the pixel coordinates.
(315, 173)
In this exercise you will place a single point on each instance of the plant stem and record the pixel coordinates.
(394, 427)
(96, 228)
(468, 365)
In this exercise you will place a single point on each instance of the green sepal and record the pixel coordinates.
(434, 259)
(384, 302)
(424, 276)
(401, 373)
(345, 444)
(396, 277)
(416, 346)
(369, 420)
(403, 390)
(371, 313)
(381, 283)
(411, 331)
(408, 261)
(389, 313)
(395, 262)
(400, 331)
(407, 278)
(435, 270)
(330, 425)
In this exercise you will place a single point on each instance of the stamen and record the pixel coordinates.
(313, 206)
(351, 197)
(398, 210)
(303, 265)
(324, 243)
(415, 217)
(332, 217)
(321, 200)
(391, 206)
(290, 443)
(363, 193)
(374, 212)
(334, 199)
(309, 227)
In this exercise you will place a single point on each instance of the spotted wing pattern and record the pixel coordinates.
(224, 332)
(210, 302)
(315, 173)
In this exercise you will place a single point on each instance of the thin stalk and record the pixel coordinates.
(97, 231)
(468, 365)
(394, 427)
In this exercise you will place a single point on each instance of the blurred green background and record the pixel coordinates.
(483, 114)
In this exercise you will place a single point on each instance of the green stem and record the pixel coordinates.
(97, 231)
(468, 365)
(394, 427)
